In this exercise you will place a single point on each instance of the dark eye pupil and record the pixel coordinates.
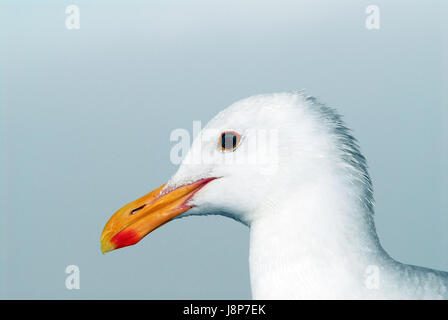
(228, 141)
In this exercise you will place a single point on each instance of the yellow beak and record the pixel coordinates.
(136, 219)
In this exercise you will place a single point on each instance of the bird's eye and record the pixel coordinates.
(229, 140)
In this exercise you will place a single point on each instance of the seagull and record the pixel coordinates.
(286, 166)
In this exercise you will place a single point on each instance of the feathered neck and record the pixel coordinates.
(316, 242)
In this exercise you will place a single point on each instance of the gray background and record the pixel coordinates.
(86, 117)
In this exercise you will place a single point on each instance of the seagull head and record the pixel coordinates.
(245, 163)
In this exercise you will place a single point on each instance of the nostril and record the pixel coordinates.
(137, 209)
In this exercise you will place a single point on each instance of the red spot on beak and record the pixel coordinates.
(125, 238)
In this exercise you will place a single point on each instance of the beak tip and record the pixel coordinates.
(106, 247)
